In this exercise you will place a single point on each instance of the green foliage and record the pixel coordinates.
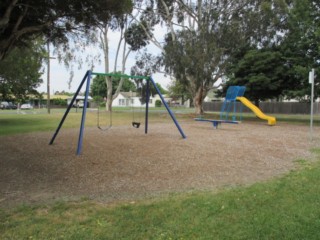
(158, 103)
(285, 208)
(198, 56)
(282, 70)
(261, 72)
(161, 89)
(59, 101)
(99, 86)
(301, 46)
(136, 37)
(20, 72)
(56, 20)
(177, 90)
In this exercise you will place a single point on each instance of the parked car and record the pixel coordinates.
(8, 105)
(4, 105)
(26, 106)
(12, 105)
(80, 104)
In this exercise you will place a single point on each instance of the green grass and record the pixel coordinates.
(284, 208)
(40, 121)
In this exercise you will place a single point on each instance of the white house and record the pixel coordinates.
(79, 100)
(130, 99)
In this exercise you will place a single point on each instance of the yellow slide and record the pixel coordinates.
(257, 111)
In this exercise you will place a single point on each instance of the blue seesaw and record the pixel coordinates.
(215, 123)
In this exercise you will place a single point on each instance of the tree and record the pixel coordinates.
(262, 72)
(301, 47)
(203, 34)
(161, 89)
(99, 86)
(132, 38)
(24, 20)
(146, 64)
(20, 72)
(177, 90)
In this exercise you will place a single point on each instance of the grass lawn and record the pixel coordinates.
(283, 208)
(39, 120)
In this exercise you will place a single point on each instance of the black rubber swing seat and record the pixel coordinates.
(136, 124)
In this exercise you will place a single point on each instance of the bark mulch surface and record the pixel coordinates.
(124, 164)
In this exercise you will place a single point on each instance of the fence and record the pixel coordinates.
(269, 107)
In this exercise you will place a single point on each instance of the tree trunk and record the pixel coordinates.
(198, 101)
(109, 94)
(105, 45)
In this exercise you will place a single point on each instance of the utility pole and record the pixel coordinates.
(48, 77)
(311, 81)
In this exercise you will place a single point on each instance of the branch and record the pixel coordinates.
(169, 21)
(6, 17)
(152, 39)
(16, 26)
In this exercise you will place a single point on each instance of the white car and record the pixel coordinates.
(26, 106)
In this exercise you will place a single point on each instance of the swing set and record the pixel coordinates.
(87, 77)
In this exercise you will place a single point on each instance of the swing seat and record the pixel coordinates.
(135, 124)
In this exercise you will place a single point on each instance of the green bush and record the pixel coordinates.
(59, 101)
(158, 103)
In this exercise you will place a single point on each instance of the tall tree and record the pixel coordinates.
(301, 47)
(23, 20)
(262, 72)
(177, 90)
(203, 34)
(20, 72)
(131, 38)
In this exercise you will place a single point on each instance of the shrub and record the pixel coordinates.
(158, 103)
(59, 101)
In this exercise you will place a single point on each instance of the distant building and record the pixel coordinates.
(131, 99)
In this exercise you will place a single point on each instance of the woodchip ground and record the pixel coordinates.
(124, 164)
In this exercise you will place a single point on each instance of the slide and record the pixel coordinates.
(257, 111)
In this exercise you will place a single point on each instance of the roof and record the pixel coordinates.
(129, 94)
(79, 97)
(53, 96)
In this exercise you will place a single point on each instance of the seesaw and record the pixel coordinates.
(216, 123)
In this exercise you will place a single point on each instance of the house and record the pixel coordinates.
(131, 99)
(79, 100)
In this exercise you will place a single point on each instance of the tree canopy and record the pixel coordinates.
(20, 72)
(24, 20)
(198, 53)
(262, 72)
(99, 86)
(280, 69)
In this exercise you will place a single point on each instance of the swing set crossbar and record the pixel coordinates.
(120, 75)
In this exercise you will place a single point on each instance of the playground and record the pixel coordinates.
(124, 164)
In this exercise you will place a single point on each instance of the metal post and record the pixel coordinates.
(48, 79)
(168, 109)
(311, 81)
(84, 111)
(147, 106)
(68, 109)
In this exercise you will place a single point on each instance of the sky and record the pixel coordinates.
(59, 75)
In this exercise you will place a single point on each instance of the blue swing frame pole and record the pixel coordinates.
(147, 106)
(68, 109)
(84, 112)
(168, 109)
